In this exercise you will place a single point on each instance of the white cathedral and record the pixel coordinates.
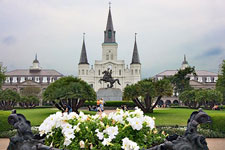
(126, 75)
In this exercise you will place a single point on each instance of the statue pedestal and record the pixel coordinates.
(110, 94)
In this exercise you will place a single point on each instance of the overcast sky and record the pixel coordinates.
(167, 29)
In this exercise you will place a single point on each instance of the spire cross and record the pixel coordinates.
(110, 4)
(83, 36)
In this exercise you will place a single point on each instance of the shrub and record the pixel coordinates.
(126, 130)
(218, 123)
(113, 103)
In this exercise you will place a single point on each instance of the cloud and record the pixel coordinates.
(9, 40)
(213, 52)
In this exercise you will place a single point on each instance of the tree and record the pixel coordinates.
(145, 92)
(8, 99)
(31, 91)
(198, 97)
(220, 84)
(28, 101)
(70, 90)
(2, 75)
(181, 80)
(188, 98)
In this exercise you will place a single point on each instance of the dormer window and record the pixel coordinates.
(7, 80)
(37, 79)
(45, 80)
(29, 78)
(22, 79)
(215, 79)
(192, 78)
(160, 78)
(14, 79)
(199, 79)
(208, 79)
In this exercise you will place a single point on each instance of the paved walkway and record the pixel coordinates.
(213, 144)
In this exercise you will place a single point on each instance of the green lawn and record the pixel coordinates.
(177, 116)
(36, 116)
(164, 116)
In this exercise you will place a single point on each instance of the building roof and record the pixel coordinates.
(198, 72)
(26, 72)
(83, 55)
(135, 57)
(36, 60)
(109, 32)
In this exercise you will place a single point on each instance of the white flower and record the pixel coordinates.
(82, 145)
(111, 131)
(106, 141)
(150, 122)
(129, 145)
(136, 123)
(67, 142)
(100, 135)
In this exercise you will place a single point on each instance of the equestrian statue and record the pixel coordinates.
(107, 77)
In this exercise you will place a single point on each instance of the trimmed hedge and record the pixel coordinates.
(218, 123)
(4, 125)
(112, 103)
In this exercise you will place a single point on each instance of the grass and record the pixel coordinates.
(177, 116)
(35, 116)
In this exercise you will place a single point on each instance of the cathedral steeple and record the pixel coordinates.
(184, 63)
(135, 57)
(109, 33)
(83, 55)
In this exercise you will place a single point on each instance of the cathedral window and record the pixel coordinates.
(14, 79)
(83, 72)
(99, 72)
(120, 72)
(132, 72)
(111, 56)
(45, 80)
(107, 56)
(7, 80)
(86, 72)
(22, 79)
(110, 34)
(136, 71)
(36, 79)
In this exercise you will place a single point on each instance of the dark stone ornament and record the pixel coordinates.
(107, 77)
(191, 140)
(24, 139)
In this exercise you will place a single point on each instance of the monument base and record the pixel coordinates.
(110, 94)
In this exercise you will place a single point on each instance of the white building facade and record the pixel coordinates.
(126, 75)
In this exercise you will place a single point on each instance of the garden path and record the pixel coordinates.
(213, 143)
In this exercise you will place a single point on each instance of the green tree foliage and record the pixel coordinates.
(28, 101)
(147, 91)
(181, 80)
(8, 99)
(70, 90)
(30, 91)
(220, 84)
(198, 97)
(2, 75)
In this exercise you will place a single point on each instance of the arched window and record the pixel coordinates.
(107, 56)
(120, 72)
(110, 34)
(132, 72)
(83, 72)
(86, 72)
(99, 72)
(111, 56)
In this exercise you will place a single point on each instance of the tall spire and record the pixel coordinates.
(185, 61)
(36, 60)
(83, 55)
(109, 33)
(135, 57)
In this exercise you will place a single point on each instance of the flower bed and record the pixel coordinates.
(119, 130)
